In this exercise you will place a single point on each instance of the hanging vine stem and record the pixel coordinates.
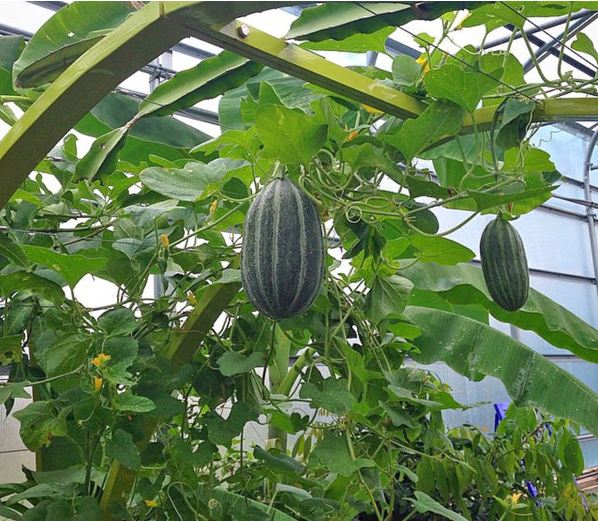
(564, 42)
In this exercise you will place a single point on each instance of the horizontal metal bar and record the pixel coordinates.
(558, 21)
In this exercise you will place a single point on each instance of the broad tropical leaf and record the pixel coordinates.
(10, 49)
(211, 78)
(476, 350)
(340, 20)
(66, 36)
(166, 137)
(464, 284)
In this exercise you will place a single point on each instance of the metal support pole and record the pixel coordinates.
(164, 60)
(590, 214)
(544, 50)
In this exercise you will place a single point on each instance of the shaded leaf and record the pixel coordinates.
(120, 321)
(332, 452)
(12, 251)
(475, 350)
(166, 137)
(232, 363)
(62, 355)
(464, 284)
(10, 49)
(209, 79)
(288, 135)
(332, 395)
(122, 448)
(11, 349)
(129, 402)
(70, 267)
(221, 431)
(13, 391)
(387, 297)
(23, 281)
(102, 157)
(440, 120)
(39, 424)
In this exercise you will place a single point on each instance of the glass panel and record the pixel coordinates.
(565, 149)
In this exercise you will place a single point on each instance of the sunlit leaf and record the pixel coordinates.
(464, 284)
(463, 87)
(192, 183)
(340, 20)
(440, 120)
(288, 135)
(472, 348)
(440, 250)
(209, 79)
(359, 42)
(65, 37)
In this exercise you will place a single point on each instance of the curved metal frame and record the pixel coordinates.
(590, 213)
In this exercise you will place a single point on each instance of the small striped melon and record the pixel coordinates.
(504, 264)
(282, 261)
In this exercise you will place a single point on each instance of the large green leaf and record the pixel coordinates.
(65, 37)
(10, 49)
(475, 350)
(166, 137)
(71, 267)
(40, 423)
(194, 182)
(440, 120)
(359, 42)
(288, 135)
(209, 79)
(463, 87)
(340, 20)
(464, 284)
(102, 157)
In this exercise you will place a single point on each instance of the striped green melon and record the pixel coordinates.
(504, 264)
(282, 262)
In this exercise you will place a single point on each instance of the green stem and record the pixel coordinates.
(289, 380)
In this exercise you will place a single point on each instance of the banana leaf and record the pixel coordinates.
(476, 350)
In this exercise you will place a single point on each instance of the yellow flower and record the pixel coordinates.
(213, 206)
(97, 383)
(423, 61)
(352, 135)
(515, 498)
(151, 503)
(164, 240)
(372, 110)
(191, 298)
(99, 360)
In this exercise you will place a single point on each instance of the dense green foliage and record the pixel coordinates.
(167, 389)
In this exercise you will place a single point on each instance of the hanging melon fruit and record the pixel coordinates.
(504, 264)
(282, 260)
